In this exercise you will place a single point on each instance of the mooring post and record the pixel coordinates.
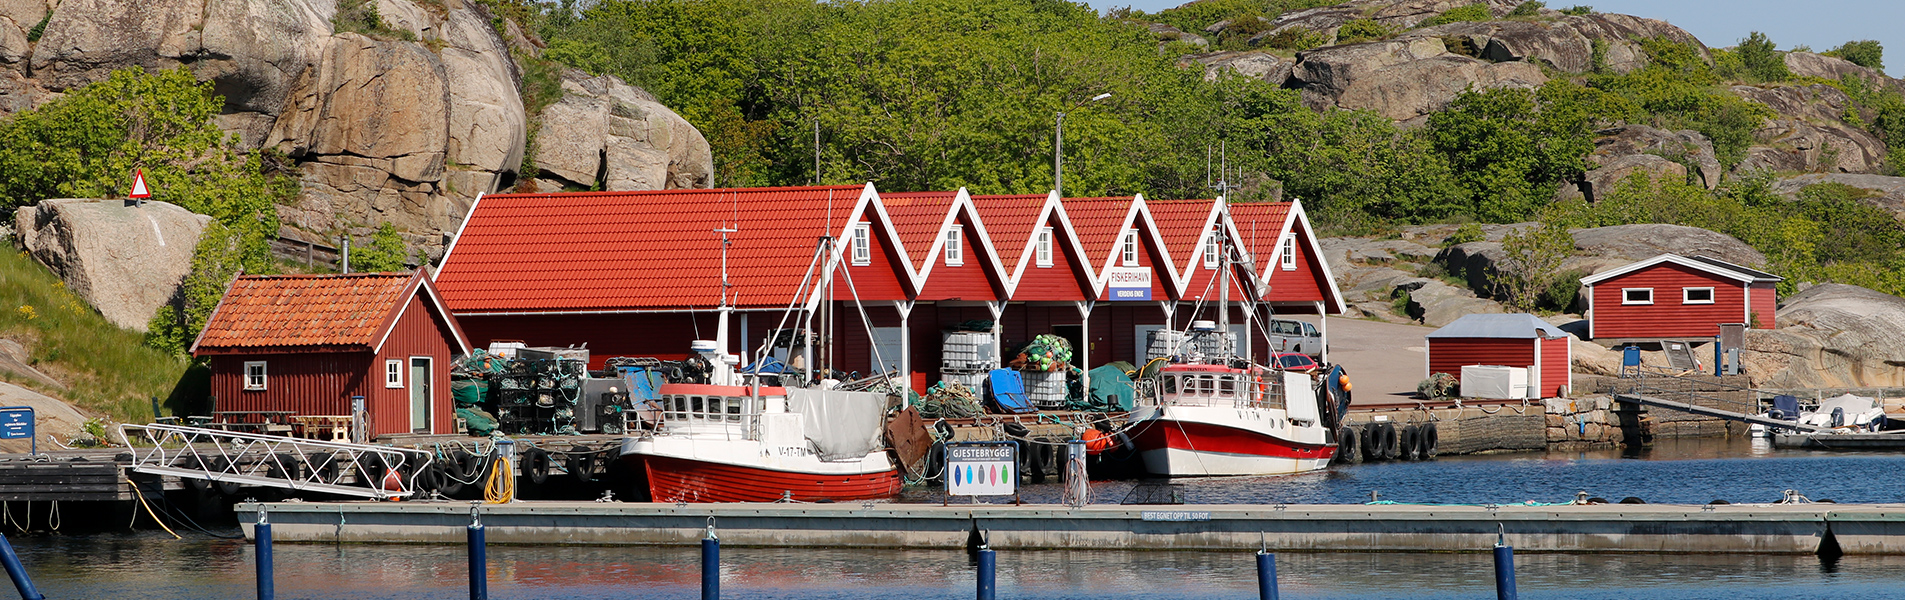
(17, 571)
(479, 558)
(988, 572)
(1266, 575)
(710, 564)
(1504, 566)
(261, 534)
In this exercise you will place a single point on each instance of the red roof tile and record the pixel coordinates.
(608, 251)
(917, 217)
(1099, 223)
(306, 310)
(1258, 225)
(1181, 226)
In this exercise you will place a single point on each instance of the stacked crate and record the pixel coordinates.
(539, 397)
(966, 357)
(1046, 389)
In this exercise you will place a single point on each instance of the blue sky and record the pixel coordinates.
(1821, 24)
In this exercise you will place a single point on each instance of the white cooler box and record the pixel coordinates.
(1495, 382)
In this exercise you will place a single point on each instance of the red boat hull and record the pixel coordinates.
(1207, 437)
(681, 480)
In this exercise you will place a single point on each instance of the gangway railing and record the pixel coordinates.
(1665, 389)
(219, 456)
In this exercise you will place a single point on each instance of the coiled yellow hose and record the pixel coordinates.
(501, 488)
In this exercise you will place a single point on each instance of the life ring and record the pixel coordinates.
(536, 465)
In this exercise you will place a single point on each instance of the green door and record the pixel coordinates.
(420, 394)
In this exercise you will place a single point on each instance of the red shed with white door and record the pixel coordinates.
(1518, 340)
(1678, 297)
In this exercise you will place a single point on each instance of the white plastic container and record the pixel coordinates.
(968, 351)
(1045, 389)
(1494, 382)
(974, 381)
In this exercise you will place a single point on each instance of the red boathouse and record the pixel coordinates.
(1516, 340)
(307, 344)
(1675, 297)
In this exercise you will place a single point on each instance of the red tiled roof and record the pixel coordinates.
(306, 310)
(1258, 224)
(917, 217)
(1010, 220)
(1099, 223)
(1181, 226)
(607, 251)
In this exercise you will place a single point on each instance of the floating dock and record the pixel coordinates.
(1758, 528)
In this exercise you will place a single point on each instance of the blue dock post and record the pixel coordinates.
(261, 534)
(988, 573)
(1266, 575)
(479, 558)
(710, 564)
(1504, 567)
(17, 571)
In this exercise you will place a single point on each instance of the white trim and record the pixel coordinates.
(1042, 239)
(462, 345)
(862, 241)
(1541, 388)
(445, 261)
(1667, 258)
(1746, 315)
(1686, 295)
(954, 246)
(393, 373)
(1207, 245)
(263, 380)
(1590, 319)
(1297, 215)
(1626, 301)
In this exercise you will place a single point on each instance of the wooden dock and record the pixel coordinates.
(1759, 528)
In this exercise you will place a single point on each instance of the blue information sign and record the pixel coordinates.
(16, 422)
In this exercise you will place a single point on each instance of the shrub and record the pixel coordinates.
(385, 252)
(1864, 53)
(1460, 14)
(1760, 60)
(1578, 10)
(1529, 269)
(360, 17)
(218, 258)
(1468, 232)
(1362, 30)
(1528, 9)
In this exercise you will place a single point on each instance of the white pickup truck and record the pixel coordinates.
(1296, 336)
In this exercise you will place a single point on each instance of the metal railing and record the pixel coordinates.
(227, 457)
(1666, 384)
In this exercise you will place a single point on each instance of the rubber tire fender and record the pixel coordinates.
(1431, 441)
(424, 480)
(285, 465)
(447, 474)
(1370, 442)
(199, 485)
(1348, 446)
(535, 464)
(1391, 441)
(323, 467)
(371, 469)
(225, 488)
(1406, 448)
(582, 466)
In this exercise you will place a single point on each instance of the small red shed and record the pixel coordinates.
(1517, 340)
(1677, 297)
(308, 343)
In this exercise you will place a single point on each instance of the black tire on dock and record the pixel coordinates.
(1406, 446)
(1431, 441)
(192, 462)
(536, 465)
(323, 467)
(371, 470)
(1370, 442)
(222, 466)
(1632, 500)
(449, 477)
(1391, 442)
(582, 466)
(425, 481)
(1349, 447)
(285, 465)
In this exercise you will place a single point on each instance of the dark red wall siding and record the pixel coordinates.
(1061, 281)
(1556, 366)
(1449, 355)
(420, 332)
(1667, 317)
(308, 383)
(661, 335)
(971, 280)
(1765, 303)
(880, 278)
(1306, 283)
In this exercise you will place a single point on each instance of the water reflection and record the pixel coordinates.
(148, 566)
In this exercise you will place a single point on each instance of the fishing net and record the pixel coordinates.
(950, 400)
(1047, 352)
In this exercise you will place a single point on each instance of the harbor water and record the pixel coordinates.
(152, 565)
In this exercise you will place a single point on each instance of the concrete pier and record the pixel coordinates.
(1739, 528)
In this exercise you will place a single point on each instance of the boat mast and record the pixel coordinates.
(1223, 283)
(721, 326)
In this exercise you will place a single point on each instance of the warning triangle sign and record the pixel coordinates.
(139, 185)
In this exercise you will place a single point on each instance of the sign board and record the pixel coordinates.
(1174, 515)
(1130, 283)
(982, 468)
(139, 185)
(16, 423)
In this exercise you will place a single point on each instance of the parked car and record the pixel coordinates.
(1296, 336)
(1291, 361)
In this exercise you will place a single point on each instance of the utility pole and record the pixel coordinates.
(1058, 149)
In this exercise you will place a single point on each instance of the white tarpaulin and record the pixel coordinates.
(842, 425)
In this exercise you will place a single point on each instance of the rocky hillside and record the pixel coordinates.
(395, 111)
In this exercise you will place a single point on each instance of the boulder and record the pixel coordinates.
(1597, 183)
(1255, 64)
(1167, 34)
(1400, 79)
(253, 51)
(1615, 143)
(17, 93)
(52, 417)
(87, 39)
(15, 360)
(1638, 242)
(14, 46)
(1890, 191)
(1808, 134)
(125, 260)
(1397, 15)
(1436, 304)
(1565, 43)
(603, 126)
(1807, 64)
(1831, 336)
(1473, 262)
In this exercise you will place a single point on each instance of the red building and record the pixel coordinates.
(1517, 340)
(1677, 297)
(307, 344)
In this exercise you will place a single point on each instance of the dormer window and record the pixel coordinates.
(1044, 252)
(862, 244)
(955, 251)
(1130, 247)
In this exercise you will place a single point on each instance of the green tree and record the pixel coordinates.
(1864, 53)
(1509, 147)
(218, 258)
(385, 252)
(1532, 263)
(1761, 60)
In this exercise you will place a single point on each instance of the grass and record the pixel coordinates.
(108, 370)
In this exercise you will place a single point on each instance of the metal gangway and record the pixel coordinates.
(229, 457)
(1671, 390)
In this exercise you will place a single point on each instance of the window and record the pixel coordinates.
(1699, 295)
(393, 373)
(955, 254)
(1637, 295)
(1130, 247)
(255, 375)
(1289, 253)
(1044, 247)
(862, 244)
(1212, 246)
(1310, 331)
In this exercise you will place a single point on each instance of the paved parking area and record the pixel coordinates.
(1385, 360)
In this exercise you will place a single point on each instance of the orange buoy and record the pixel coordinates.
(1096, 441)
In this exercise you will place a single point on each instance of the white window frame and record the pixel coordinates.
(1686, 295)
(1289, 253)
(259, 385)
(955, 246)
(1130, 252)
(1043, 254)
(1629, 301)
(1212, 246)
(393, 374)
(862, 244)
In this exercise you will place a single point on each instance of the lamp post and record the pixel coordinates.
(1058, 149)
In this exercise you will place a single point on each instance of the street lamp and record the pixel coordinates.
(1058, 149)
